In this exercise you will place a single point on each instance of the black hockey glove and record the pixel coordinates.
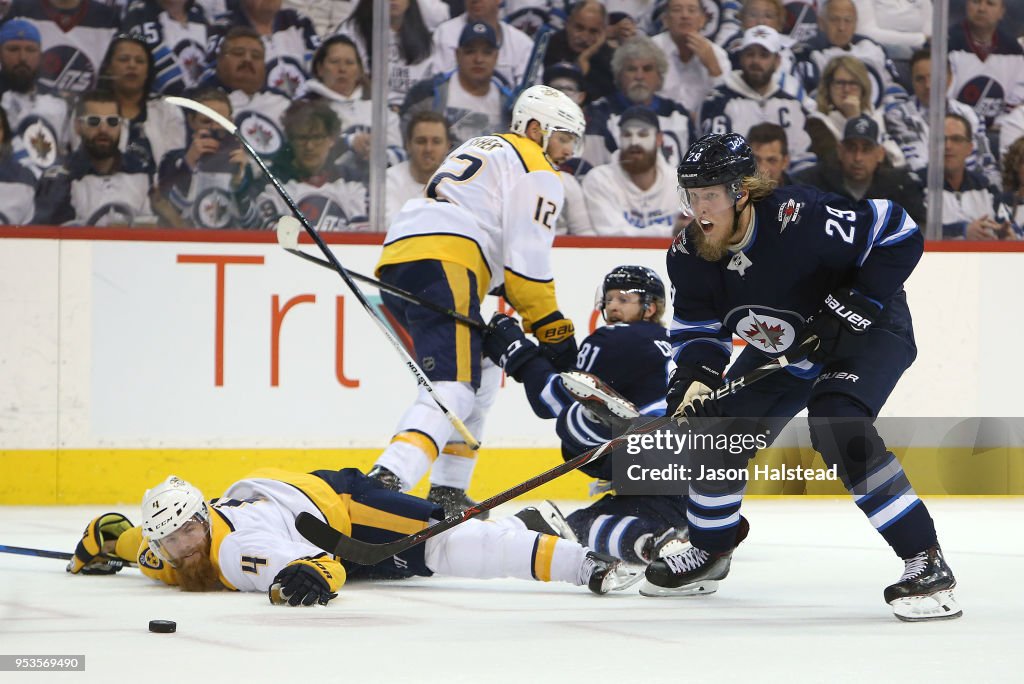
(687, 387)
(839, 325)
(505, 344)
(304, 582)
(556, 335)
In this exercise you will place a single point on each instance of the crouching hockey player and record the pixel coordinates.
(778, 268)
(247, 541)
(621, 374)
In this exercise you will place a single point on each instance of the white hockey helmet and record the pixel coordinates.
(168, 508)
(553, 110)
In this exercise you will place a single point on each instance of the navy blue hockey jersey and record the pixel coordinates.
(805, 244)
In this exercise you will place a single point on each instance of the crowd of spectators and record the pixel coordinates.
(832, 93)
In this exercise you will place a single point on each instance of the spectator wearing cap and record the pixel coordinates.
(838, 37)
(843, 94)
(472, 98)
(634, 195)
(988, 64)
(753, 94)
(907, 123)
(583, 42)
(770, 13)
(568, 78)
(97, 185)
(695, 65)
(858, 172)
(74, 35)
(639, 68)
(37, 115)
(770, 146)
(971, 206)
(514, 46)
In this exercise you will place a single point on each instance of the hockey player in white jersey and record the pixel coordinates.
(246, 540)
(486, 223)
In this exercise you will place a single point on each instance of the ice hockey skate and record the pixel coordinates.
(547, 519)
(453, 500)
(603, 573)
(386, 478)
(601, 401)
(671, 541)
(925, 591)
(691, 572)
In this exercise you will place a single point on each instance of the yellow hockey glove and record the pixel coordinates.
(90, 556)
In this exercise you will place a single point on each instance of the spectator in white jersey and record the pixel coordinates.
(845, 94)
(409, 48)
(1012, 129)
(325, 14)
(341, 81)
(767, 13)
(753, 95)
(639, 67)
(427, 143)
(17, 183)
(695, 65)
(1013, 181)
(907, 123)
(241, 72)
(202, 180)
(288, 37)
(971, 207)
(635, 195)
(317, 184)
(514, 46)
(176, 32)
(40, 134)
(74, 35)
(770, 146)
(98, 185)
(987, 63)
(583, 42)
(837, 20)
(472, 98)
(152, 127)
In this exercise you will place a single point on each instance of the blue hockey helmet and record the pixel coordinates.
(639, 279)
(717, 159)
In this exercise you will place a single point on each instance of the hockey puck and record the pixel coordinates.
(162, 626)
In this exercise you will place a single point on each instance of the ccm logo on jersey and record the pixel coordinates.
(856, 321)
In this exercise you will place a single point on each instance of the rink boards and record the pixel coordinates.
(127, 355)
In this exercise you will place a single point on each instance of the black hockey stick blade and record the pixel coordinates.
(59, 555)
(325, 537)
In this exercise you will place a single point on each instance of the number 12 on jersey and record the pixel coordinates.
(544, 212)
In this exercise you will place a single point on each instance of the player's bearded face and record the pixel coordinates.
(197, 573)
(712, 230)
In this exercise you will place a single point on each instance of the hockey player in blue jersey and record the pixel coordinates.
(621, 374)
(778, 267)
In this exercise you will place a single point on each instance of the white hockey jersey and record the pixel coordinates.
(41, 134)
(993, 85)
(17, 193)
(618, 207)
(492, 207)
(259, 117)
(332, 206)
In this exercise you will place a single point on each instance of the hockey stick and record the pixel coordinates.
(323, 536)
(288, 237)
(59, 555)
(410, 364)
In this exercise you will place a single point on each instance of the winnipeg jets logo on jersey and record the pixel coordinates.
(64, 68)
(985, 94)
(285, 74)
(40, 142)
(772, 331)
(262, 133)
(213, 209)
(192, 59)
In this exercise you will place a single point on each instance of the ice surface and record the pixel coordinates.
(803, 603)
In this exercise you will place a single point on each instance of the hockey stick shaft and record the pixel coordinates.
(410, 364)
(59, 555)
(285, 242)
(345, 547)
